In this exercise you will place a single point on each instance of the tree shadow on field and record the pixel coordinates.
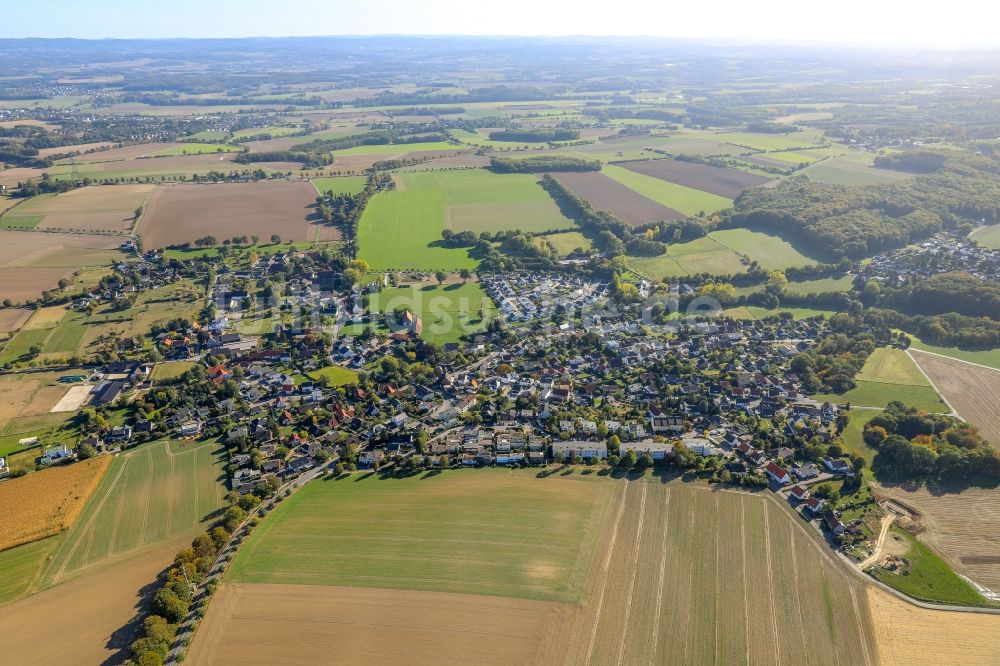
(453, 286)
(430, 474)
(121, 639)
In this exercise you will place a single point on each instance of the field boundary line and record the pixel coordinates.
(604, 579)
(857, 614)
(770, 587)
(97, 510)
(952, 358)
(635, 569)
(663, 569)
(798, 591)
(746, 600)
(954, 412)
(149, 500)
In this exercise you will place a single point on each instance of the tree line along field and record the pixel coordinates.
(890, 374)
(635, 571)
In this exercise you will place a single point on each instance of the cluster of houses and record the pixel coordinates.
(945, 252)
(128, 279)
(523, 296)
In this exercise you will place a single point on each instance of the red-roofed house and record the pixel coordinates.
(777, 473)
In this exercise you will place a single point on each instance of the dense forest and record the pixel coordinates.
(947, 292)
(537, 135)
(858, 221)
(915, 445)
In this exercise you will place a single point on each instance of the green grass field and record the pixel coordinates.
(565, 243)
(153, 494)
(700, 255)
(447, 311)
(988, 236)
(480, 200)
(65, 339)
(879, 394)
(767, 142)
(854, 434)
(22, 342)
(197, 149)
(342, 185)
(171, 370)
(892, 366)
(887, 375)
(836, 171)
(402, 230)
(929, 578)
(20, 566)
(772, 252)
(797, 313)
(685, 200)
(494, 532)
(336, 375)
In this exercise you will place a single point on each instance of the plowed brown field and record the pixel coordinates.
(603, 193)
(183, 213)
(724, 182)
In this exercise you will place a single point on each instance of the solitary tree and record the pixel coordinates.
(441, 276)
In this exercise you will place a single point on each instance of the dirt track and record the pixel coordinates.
(307, 624)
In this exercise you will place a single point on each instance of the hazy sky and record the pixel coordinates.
(921, 23)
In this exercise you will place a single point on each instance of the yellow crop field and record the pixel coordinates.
(47, 502)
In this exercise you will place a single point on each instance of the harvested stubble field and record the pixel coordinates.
(94, 208)
(89, 612)
(177, 214)
(906, 634)
(647, 572)
(12, 319)
(28, 263)
(153, 494)
(724, 182)
(370, 626)
(45, 503)
(603, 193)
(974, 391)
(962, 525)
